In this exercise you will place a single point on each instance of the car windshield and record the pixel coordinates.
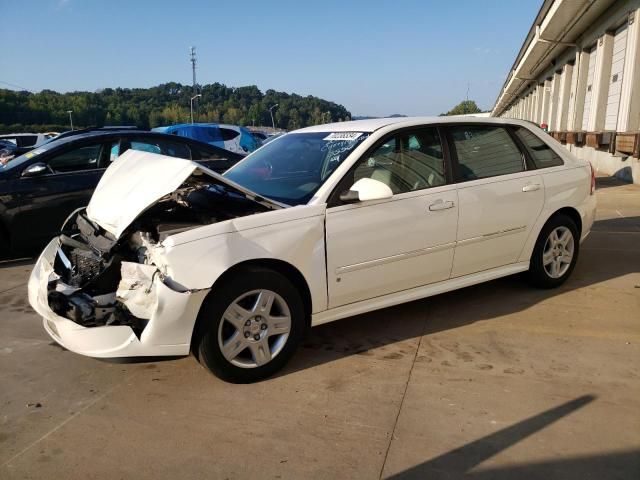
(292, 168)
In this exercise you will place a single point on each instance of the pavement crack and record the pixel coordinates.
(404, 394)
(12, 288)
(67, 420)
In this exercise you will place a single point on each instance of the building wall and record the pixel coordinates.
(591, 91)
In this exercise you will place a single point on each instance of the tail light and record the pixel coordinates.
(593, 179)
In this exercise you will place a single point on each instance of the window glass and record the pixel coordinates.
(27, 140)
(292, 168)
(84, 158)
(407, 162)
(114, 151)
(542, 154)
(162, 147)
(204, 154)
(485, 151)
(228, 134)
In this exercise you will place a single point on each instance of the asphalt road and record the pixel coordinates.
(493, 381)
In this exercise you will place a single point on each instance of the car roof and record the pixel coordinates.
(373, 124)
(192, 125)
(111, 133)
(11, 135)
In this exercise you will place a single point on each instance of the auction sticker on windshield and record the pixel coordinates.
(343, 136)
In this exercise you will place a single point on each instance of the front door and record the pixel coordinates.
(47, 200)
(381, 247)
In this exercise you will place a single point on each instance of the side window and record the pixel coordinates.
(27, 140)
(83, 158)
(542, 154)
(228, 134)
(171, 149)
(406, 162)
(485, 151)
(145, 147)
(114, 151)
(203, 154)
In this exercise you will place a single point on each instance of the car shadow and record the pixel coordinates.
(608, 182)
(600, 259)
(17, 262)
(461, 462)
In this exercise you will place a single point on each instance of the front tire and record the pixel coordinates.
(555, 253)
(250, 326)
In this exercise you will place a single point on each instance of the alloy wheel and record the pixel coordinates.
(254, 328)
(558, 252)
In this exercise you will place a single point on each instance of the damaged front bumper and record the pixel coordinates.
(162, 318)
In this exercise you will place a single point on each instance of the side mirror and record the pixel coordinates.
(35, 170)
(366, 189)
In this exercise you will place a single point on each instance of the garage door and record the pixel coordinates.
(615, 82)
(589, 93)
(572, 104)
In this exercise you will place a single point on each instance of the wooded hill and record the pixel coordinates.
(165, 104)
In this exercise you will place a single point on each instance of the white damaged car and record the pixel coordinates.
(321, 224)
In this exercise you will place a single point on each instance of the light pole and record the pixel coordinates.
(273, 124)
(70, 118)
(192, 99)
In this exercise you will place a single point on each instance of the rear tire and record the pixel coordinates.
(249, 326)
(555, 253)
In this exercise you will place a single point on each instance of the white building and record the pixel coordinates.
(578, 71)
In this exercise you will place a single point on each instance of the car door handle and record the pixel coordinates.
(531, 187)
(441, 205)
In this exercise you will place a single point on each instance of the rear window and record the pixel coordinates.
(542, 154)
(228, 134)
(27, 140)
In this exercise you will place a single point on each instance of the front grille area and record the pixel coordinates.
(87, 266)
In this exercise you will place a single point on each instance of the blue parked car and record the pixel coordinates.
(230, 137)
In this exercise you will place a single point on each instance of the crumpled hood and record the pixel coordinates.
(137, 180)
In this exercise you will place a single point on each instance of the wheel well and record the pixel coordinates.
(573, 214)
(284, 268)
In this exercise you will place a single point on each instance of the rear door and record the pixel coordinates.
(499, 197)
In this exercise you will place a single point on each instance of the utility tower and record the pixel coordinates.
(192, 59)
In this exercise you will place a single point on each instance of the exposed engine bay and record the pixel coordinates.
(104, 280)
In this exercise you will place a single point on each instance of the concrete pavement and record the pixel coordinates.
(493, 381)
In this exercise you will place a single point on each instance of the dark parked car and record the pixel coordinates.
(106, 128)
(39, 189)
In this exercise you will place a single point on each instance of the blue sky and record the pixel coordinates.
(374, 57)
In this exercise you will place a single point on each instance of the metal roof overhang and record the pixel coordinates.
(558, 25)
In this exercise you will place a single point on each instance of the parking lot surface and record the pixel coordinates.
(494, 381)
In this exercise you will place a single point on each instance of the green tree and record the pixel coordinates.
(466, 106)
(164, 104)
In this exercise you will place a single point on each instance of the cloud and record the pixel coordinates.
(482, 50)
